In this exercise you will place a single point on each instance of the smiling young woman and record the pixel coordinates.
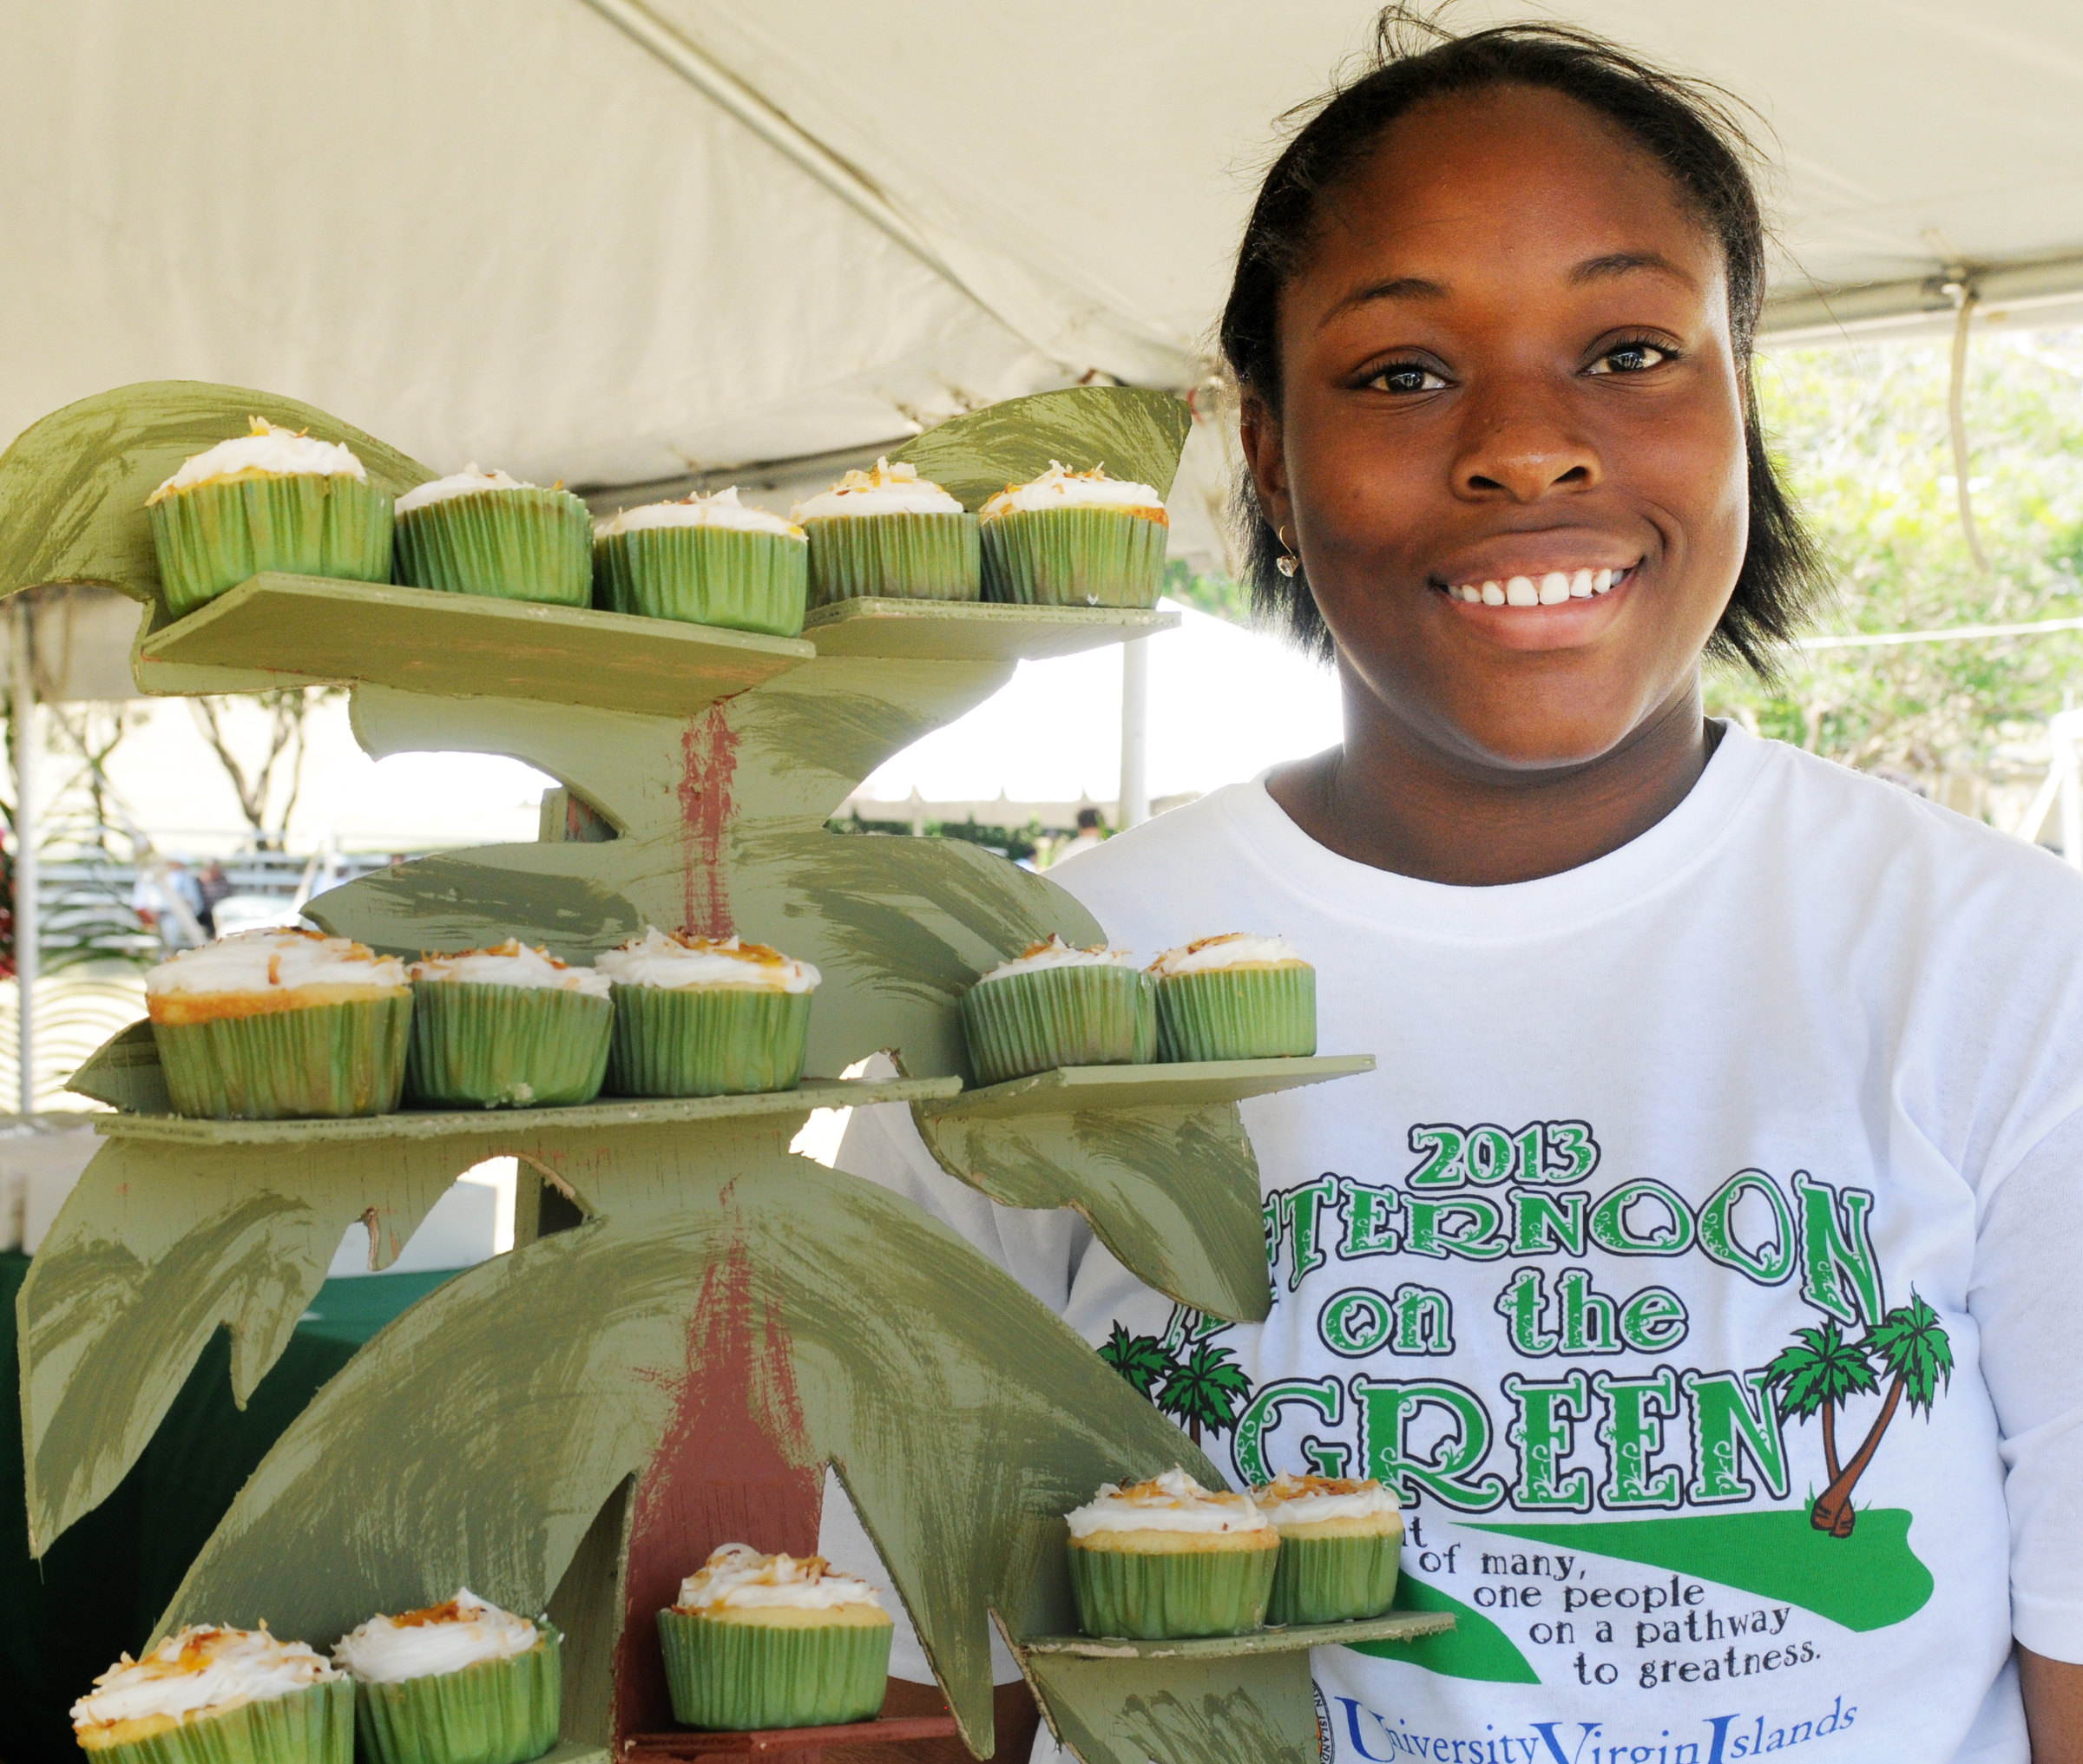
(1721, 1092)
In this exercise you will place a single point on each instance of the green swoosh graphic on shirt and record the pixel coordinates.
(1474, 1648)
(1868, 1581)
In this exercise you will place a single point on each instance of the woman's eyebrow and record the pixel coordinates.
(1397, 288)
(1622, 262)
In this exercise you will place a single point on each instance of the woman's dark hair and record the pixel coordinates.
(1686, 127)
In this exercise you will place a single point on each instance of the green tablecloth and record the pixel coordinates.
(102, 1586)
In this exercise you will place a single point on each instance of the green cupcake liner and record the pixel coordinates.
(1180, 1593)
(311, 1726)
(910, 557)
(707, 1041)
(1074, 557)
(1238, 1013)
(706, 576)
(323, 1059)
(214, 536)
(512, 545)
(488, 1046)
(496, 1712)
(741, 1676)
(1332, 1580)
(1060, 1016)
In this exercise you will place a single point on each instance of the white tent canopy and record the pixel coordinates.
(619, 241)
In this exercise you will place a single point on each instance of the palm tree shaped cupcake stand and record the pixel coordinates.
(693, 1322)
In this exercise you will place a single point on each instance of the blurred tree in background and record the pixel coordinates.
(1863, 434)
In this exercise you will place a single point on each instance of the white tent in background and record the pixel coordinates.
(644, 245)
(1223, 704)
(617, 241)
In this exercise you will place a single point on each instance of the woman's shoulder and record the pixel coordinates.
(1192, 861)
(1848, 822)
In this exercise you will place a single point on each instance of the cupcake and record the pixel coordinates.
(1059, 1005)
(889, 532)
(757, 1641)
(463, 1683)
(272, 500)
(507, 1026)
(706, 561)
(1235, 997)
(694, 1017)
(484, 533)
(1341, 1543)
(1074, 539)
(218, 1696)
(265, 1025)
(1168, 1558)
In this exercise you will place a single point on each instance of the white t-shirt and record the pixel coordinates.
(1783, 1097)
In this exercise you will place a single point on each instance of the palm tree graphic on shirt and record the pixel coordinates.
(1189, 1378)
(1822, 1368)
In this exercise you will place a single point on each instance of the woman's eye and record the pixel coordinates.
(1406, 377)
(1631, 359)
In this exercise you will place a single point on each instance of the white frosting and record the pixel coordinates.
(467, 482)
(1059, 488)
(1231, 949)
(1056, 953)
(722, 509)
(889, 489)
(444, 1638)
(272, 960)
(661, 959)
(511, 964)
(197, 1670)
(266, 448)
(738, 1577)
(1172, 1502)
(1311, 1500)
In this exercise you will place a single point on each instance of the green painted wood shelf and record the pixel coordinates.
(285, 630)
(608, 1114)
(775, 1742)
(1182, 1083)
(1397, 1626)
(972, 631)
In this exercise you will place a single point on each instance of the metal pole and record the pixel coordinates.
(1135, 733)
(28, 931)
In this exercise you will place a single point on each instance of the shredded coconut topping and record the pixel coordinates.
(467, 482)
(1059, 488)
(1172, 1502)
(441, 1638)
(1231, 949)
(1311, 1500)
(889, 489)
(201, 1670)
(723, 509)
(1053, 952)
(511, 964)
(265, 450)
(738, 1577)
(670, 959)
(274, 959)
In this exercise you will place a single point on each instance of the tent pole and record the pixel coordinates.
(28, 932)
(1135, 807)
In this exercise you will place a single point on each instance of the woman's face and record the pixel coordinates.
(1506, 366)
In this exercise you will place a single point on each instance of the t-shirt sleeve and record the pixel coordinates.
(2023, 1297)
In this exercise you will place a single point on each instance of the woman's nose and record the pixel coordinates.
(1522, 448)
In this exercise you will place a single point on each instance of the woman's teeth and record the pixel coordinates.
(1550, 590)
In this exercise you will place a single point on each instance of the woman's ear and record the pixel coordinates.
(1259, 429)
